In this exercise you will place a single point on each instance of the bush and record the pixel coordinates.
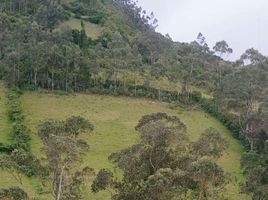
(19, 132)
(6, 148)
(14, 193)
(26, 163)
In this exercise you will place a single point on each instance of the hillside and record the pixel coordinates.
(115, 119)
(96, 104)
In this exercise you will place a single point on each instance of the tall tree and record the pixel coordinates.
(222, 48)
(161, 166)
(64, 155)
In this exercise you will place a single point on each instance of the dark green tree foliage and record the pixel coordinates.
(151, 45)
(209, 144)
(252, 57)
(20, 162)
(49, 13)
(13, 193)
(139, 17)
(76, 125)
(19, 132)
(207, 174)
(240, 92)
(164, 165)
(256, 168)
(103, 180)
(93, 10)
(222, 48)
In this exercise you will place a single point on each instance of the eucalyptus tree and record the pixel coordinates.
(256, 170)
(63, 154)
(49, 14)
(252, 57)
(222, 48)
(162, 166)
(242, 90)
(201, 40)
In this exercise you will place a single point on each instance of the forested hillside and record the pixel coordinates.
(110, 47)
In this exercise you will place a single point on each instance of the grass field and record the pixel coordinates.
(114, 119)
(92, 30)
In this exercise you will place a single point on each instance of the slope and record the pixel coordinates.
(114, 119)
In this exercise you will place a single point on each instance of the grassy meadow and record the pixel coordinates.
(114, 119)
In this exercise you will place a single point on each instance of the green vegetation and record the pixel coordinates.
(114, 120)
(92, 30)
(111, 47)
(5, 125)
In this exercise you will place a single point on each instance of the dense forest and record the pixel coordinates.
(127, 57)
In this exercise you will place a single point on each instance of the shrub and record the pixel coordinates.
(14, 193)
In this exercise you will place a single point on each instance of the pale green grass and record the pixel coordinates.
(92, 30)
(4, 122)
(114, 119)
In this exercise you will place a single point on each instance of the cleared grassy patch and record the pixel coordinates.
(114, 119)
(92, 30)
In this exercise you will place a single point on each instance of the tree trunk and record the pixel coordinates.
(14, 71)
(35, 78)
(52, 83)
(159, 91)
(60, 183)
(66, 82)
(135, 88)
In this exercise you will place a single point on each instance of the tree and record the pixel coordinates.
(201, 40)
(209, 144)
(222, 48)
(64, 155)
(161, 166)
(208, 176)
(252, 57)
(256, 169)
(76, 124)
(243, 90)
(49, 14)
